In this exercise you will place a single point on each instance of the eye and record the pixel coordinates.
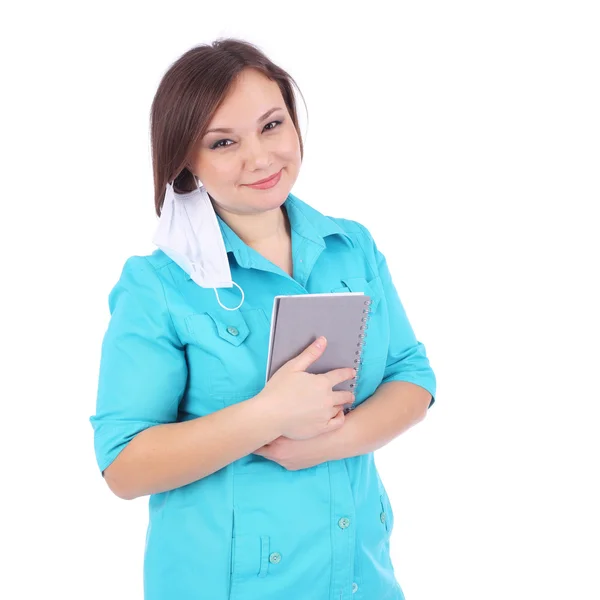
(220, 144)
(271, 123)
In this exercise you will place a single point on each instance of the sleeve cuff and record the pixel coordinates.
(426, 384)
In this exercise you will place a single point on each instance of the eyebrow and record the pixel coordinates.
(228, 130)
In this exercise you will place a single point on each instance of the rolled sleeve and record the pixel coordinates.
(143, 370)
(406, 359)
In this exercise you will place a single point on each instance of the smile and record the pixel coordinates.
(266, 183)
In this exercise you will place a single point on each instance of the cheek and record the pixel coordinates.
(215, 165)
(222, 172)
(290, 150)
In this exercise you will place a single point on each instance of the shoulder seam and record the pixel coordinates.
(362, 235)
(162, 287)
(156, 263)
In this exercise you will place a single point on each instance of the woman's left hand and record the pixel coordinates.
(294, 454)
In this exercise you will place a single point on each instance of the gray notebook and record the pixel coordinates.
(298, 320)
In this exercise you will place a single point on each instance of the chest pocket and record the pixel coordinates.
(360, 284)
(233, 346)
(377, 326)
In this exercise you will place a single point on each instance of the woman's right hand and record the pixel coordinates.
(305, 401)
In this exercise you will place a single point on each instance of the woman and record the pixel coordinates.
(257, 492)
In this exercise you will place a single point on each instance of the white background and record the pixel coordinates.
(464, 135)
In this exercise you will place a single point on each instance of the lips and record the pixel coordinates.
(264, 180)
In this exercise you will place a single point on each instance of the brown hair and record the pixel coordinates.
(187, 97)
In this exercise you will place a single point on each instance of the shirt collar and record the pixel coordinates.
(304, 220)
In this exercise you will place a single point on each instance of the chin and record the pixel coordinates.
(274, 202)
(269, 201)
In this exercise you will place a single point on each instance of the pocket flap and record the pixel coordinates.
(230, 327)
(360, 284)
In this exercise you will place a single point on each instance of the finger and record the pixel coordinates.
(343, 397)
(309, 355)
(336, 422)
(338, 375)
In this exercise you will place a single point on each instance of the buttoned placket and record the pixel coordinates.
(305, 253)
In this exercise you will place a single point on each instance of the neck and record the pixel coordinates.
(260, 229)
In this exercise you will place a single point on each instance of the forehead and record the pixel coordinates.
(251, 95)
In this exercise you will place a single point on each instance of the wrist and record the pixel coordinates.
(329, 445)
(270, 411)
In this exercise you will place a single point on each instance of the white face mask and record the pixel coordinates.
(189, 234)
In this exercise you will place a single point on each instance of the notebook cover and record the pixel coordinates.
(298, 320)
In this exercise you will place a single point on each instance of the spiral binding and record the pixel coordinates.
(361, 343)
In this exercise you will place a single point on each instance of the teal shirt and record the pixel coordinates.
(253, 530)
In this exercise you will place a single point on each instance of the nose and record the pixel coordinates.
(256, 154)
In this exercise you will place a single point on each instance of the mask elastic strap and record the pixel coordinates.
(242, 302)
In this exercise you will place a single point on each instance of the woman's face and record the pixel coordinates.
(260, 142)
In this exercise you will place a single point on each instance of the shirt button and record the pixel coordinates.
(232, 331)
(382, 517)
(344, 522)
(275, 558)
(354, 588)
